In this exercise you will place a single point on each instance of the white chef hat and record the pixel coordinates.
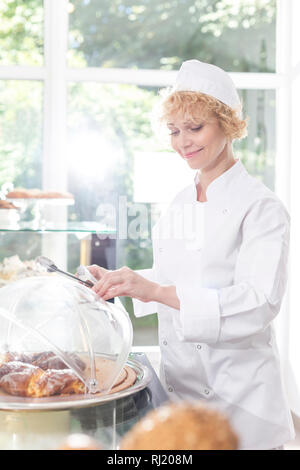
(209, 79)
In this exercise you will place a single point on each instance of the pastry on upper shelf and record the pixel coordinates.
(181, 426)
(55, 195)
(7, 205)
(22, 193)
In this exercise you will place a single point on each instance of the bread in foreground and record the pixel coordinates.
(181, 426)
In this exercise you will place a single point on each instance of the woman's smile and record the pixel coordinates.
(192, 154)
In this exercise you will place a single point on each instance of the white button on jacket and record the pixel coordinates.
(227, 258)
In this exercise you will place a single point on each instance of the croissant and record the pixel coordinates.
(15, 366)
(45, 360)
(19, 357)
(48, 360)
(27, 380)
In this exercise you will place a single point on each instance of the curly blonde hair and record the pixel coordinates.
(196, 107)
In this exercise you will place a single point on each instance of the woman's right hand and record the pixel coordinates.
(97, 271)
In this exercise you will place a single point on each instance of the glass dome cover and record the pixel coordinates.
(60, 316)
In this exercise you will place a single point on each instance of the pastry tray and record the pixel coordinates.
(143, 378)
(24, 202)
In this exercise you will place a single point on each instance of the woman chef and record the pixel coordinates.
(220, 268)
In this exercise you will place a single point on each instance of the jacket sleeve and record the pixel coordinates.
(140, 308)
(253, 300)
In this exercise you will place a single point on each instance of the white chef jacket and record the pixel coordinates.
(229, 266)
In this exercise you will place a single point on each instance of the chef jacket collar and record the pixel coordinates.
(220, 185)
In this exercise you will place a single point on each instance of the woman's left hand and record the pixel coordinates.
(125, 282)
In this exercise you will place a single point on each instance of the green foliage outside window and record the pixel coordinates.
(158, 34)
(21, 32)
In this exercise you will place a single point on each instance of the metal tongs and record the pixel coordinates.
(50, 266)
